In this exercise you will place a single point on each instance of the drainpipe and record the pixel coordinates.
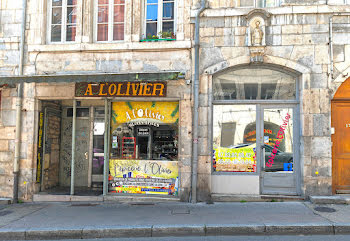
(19, 107)
(331, 46)
(195, 107)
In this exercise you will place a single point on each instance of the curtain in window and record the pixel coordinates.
(102, 20)
(115, 23)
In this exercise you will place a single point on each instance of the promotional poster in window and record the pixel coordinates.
(144, 148)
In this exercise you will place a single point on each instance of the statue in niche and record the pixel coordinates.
(257, 35)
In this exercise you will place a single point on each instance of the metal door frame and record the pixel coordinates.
(296, 142)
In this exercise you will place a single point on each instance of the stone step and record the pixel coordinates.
(342, 191)
(108, 198)
(5, 200)
(336, 199)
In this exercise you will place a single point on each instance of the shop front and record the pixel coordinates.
(256, 132)
(124, 138)
(107, 139)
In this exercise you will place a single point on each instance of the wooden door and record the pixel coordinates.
(341, 146)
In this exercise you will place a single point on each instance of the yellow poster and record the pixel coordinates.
(235, 159)
(143, 176)
(144, 113)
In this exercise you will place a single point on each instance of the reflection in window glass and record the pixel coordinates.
(254, 84)
(164, 23)
(278, 140)
(58, 23)
(233, 150)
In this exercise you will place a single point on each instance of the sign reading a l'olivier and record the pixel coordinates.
(121, 89)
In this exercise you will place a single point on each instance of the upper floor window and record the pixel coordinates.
(160, 17)
(63, 20)
(259, 3)
(110, 20)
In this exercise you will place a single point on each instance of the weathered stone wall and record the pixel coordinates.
(10, 32)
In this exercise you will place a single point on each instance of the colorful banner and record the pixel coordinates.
(143, 177)
(241, 159)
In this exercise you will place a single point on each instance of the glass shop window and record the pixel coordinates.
(254, 84)
(144, 148)
(144, 130)
(234, 137)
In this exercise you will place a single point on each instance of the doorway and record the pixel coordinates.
(340, 139)
(279, 157)
(89, 151)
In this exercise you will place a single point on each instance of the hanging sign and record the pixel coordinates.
(121, 89)
(40, 148)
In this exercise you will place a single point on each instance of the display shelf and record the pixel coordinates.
(129, 147)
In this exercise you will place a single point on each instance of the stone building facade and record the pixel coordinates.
(306, 42)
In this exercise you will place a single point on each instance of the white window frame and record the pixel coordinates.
(277, 4)
(160, 17)
(110, 22)
(63, 24)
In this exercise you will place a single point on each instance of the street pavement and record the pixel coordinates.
(235, 238)
(117, 220)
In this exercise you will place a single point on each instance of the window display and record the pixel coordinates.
(143, 151)
(233, 151)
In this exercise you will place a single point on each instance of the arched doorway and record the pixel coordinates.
(341, 139)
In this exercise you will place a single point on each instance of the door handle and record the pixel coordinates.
(86, 155)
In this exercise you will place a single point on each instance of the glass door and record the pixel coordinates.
(277, 142)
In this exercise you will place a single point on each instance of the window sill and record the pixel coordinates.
(112, 47)
(157, 40)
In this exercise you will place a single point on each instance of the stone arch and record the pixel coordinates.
(289, 65)
(286, 64)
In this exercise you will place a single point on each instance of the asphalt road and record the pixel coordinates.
(233, 238)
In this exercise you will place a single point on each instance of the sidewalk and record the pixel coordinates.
(105, 220)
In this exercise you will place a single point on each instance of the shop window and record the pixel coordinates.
(63, 20)
(235, 124)
(254, 84)
(160, 19)
(259, 3)
(235, 148)
(144, 148)
(110, 20)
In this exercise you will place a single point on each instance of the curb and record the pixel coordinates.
(89, 232)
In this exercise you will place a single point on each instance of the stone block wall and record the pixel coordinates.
(10, 32)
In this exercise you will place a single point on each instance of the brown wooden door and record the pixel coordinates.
(341, 146)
